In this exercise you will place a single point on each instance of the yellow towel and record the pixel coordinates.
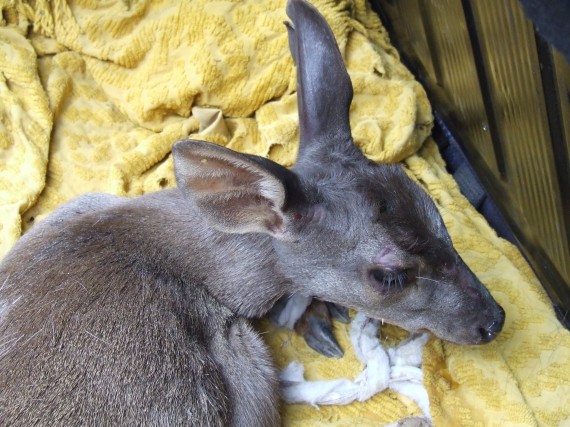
(93, 94)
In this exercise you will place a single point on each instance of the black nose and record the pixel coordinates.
(490, 331)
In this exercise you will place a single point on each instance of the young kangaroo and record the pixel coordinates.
(121, 311)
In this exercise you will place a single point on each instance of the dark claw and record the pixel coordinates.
(277, 309)
(287, 310)
(316, 327)
(338, 312)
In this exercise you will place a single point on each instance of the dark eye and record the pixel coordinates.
(388, 281)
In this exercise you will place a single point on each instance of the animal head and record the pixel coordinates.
(345, 229)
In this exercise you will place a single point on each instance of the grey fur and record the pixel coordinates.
(133, 311)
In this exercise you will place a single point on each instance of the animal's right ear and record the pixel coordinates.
(237, 193)
(324, 90)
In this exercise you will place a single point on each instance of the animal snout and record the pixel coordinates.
(491, 330)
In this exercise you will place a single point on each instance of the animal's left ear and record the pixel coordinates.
(237, 193)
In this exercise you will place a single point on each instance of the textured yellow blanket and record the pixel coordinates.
(93, 94)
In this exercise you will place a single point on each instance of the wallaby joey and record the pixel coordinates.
(119, 311)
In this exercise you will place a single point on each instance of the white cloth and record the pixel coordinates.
(397, 368)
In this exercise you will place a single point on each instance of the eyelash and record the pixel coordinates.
(389, 280)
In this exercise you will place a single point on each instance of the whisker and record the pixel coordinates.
(427, 278)
(96, 337)
(5, 281)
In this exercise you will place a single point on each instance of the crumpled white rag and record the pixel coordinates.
(397, 368)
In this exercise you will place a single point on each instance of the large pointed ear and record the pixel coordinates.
(237, 193)
(324, 90)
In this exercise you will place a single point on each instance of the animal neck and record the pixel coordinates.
(234, 268)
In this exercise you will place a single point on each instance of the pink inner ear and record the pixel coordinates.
(387, 259)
